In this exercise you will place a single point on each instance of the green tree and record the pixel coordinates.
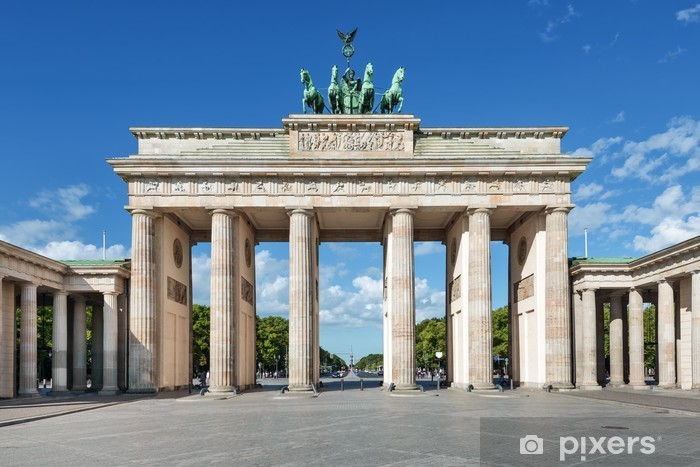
(499, 318)
(431, 337)
(329, 359)
(370, 362)
(650, 336)
(272, 339)
(201, 318)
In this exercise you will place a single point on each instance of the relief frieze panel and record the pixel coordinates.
(524, 288)
(177, 291)
(351, 141)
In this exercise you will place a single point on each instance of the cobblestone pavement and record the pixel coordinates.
(349, 427)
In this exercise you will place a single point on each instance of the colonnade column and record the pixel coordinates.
(79, 345)
(636, 339)
(59, 352)
(695, 327)
(558, 321)
(403, 301)
(142, 317)
(109, 344)
(222, 348)
(479, 301)
(27, 338)
(590, 358)
(302, 323)
(8, 339)
(667, 335)
(616, 347)
(97, 350)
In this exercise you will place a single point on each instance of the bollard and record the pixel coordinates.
(511, 384)
(362, 384)
(342, 384)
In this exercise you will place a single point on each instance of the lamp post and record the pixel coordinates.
(439, 356)
(277, 362)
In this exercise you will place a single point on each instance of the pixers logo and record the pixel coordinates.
(588, 445)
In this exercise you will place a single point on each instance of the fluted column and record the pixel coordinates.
(222, 345)
(27, 342)
(479, 301)
(7, 339)
(59, 352)
(142, 317)
(578, 336)
(590, 358)
(403, 304)
(557, 310)
(667, 335)
(616, 350)
(110, 330)
(636, 339)
(97, 348)
(695, 327)
(301, 301)
(79, 345)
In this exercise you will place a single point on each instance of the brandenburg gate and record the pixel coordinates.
(362, 177)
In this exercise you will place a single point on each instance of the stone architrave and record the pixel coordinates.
(667, 336)
(302, 323)
(142, 317)
(27, 339)
(636, 339)
(79, 345)
(479, 301)
(590, 357)
(557, 321)
(59, 352)
(223, 256)
(616, 334)
(695, 328)
(109, 345)
(403, 301)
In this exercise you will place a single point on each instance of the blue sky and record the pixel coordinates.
(622, 75)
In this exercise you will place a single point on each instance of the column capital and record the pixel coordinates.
(664, 281)
(563, 209)
(111, 293)
(480, 210)
(225, 211)
(395, 211)
(305, 211)
(59, 293)
(146, 212)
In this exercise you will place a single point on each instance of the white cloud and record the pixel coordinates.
(201, 278)
(428, 248)
(619, 118)
(67, 250)
(668, 232)
(585, 192)
(599, 148)
(586, 49)
(672, 55)
(689, 15)
(553, 25)
(65, 202)
(30, 233)
(591, 216)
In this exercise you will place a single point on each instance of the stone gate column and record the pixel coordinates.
(7, 339)
(479, 301)
(97, 350)
(302, 331)
(577, 302)
(557, 310)
(110, 332)
(142, 315)
(79, 345)
(27, 342)
(695, 328)
(616, 350)
(667, 335)
(222, 347)
(590, 358)
(636, 339)
(403, 305)
(59, 352)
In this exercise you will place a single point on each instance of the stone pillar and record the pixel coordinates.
(667, 336)
(59, 352)
(222, 346)
(590, 358)
(403, 306)
(557, 310)
(110, 363)
(578, 336)
(142, 317)
(97, 348)
(616, 348)
(27, 345)
(301, 301)
(479, 301)
(7, 339)
(695, 328)
(636, 339)
(79, 345)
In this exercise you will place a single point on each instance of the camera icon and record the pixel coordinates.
(531, 444)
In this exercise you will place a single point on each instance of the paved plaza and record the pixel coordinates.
(348, 427)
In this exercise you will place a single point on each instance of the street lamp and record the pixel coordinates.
(277, 362)
(439, 356)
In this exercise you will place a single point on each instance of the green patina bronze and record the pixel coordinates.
(312, 97)
(392, 97)
(350, 95)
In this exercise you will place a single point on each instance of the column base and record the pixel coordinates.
(300, 388)
(591, 387)
(221, 389)
(141, 391)
(666, 386)
(405, 387)
(108, 392)
(561, 386)
(29, 393)
(616, 384)
(638, 386)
